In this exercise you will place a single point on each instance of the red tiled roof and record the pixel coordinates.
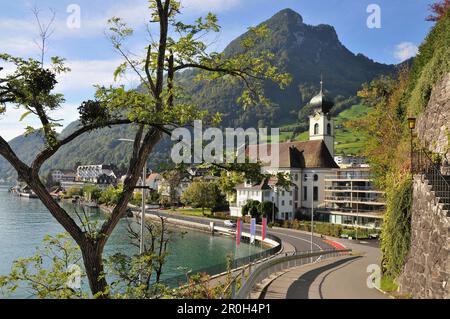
(308, 154)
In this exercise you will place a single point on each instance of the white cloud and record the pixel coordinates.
(85, 74)
(405, 50)
(201, 6)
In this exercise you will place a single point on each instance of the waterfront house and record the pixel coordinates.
(62, 175)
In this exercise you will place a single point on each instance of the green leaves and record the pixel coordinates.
(49, 272)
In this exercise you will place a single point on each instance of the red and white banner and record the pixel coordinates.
(264, 228)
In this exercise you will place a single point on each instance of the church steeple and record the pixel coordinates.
(320, 102)
(321, 124)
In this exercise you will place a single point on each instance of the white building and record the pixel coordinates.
(97, 174)
(352, 199)
(63, 175)
(307, 164)
(346, 161)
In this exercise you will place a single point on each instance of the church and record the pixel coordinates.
(307, 163)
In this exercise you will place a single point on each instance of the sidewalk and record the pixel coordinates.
(343, 277)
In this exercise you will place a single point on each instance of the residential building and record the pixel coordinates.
(63, 175)
(153, 181)
(346, 161)
(97, 174)
(351, 198)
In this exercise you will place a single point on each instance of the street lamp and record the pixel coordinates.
(144, 176)
(312, 208)
(412, 127)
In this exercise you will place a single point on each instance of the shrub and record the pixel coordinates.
(396, 234)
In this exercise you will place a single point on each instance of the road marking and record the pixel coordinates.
(305, 240)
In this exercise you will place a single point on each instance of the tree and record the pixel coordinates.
(439, 10)
(136, 272)
(74, 191)
(252, 207)
(170, 185)
(155, 109)
(91, 192)
(268, 209)
(202, 194)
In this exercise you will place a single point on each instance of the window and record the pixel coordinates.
(282, 193)
(316, 193)
(305, 193)
(290, 203)
(296, 177)
(316, 177)
(282, 203)
(316, 129)
(328, 129)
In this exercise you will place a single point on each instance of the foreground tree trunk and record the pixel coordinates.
(93, 264)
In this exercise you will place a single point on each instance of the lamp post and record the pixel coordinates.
(312, 210)
(144, 175)
(412, 127)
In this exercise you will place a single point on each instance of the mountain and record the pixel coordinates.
(305, 51)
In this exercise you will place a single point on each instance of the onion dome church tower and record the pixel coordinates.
(321, 124)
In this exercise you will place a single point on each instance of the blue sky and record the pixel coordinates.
(92, 60)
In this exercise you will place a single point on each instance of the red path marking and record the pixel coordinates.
(335, 244)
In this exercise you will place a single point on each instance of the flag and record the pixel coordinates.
(238, 232)
(252, 230)
(264, 228)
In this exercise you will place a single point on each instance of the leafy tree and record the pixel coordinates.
(74, 191)
(110, 196)
(269, 210)
(252, 207)
(154, 110)
(92, 192)
(202, 193)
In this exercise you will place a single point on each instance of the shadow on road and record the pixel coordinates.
(299, 289)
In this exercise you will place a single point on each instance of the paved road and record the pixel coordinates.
(337, 278)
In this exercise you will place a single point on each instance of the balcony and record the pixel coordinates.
(357, 200)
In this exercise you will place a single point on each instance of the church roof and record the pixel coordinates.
(320, 101)
(308, 154)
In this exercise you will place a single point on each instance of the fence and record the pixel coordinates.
(257, 274)
(431, 170)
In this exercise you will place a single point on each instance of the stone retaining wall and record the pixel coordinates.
(427, 270)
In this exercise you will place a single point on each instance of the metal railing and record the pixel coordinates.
(251, 275)
(431, 170)
(376, 200)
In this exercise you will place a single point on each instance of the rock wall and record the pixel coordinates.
(433, 126)
(427, 270)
